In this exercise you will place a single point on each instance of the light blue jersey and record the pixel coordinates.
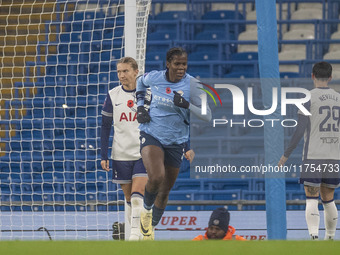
(170, 124)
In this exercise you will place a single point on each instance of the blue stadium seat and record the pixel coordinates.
(200, 71)
(254, 195)
(287, 75)
(191, 184)
(241, 75)
(154, 65)
(247, 70)
(20, 145)
(80, 15)
(212, 35)
(75, 37)
(4, 177)
(223, 15)
(181, 195)
(161, 36)
(212, 41)
(172, 17)
(117, 19)
(244, 56)
(204, 68)
(159, 46)
(293, 184)
(234, 183)
(77, 26)
(155, 56)
(88, 25)
(5, 187)
(204, 56)
(65, 37)
(296, 195)
(109, 22)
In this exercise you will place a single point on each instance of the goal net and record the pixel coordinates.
(58, 61)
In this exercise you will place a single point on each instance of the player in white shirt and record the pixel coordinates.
(321, 152)
(128, 169)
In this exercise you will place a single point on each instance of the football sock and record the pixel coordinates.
(149, 199)
(312, 216)
(157, 214)
(331, 218)
(136, 208)
(128, 210)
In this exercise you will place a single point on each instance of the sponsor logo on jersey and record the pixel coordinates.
(330, 140)
(131, 116)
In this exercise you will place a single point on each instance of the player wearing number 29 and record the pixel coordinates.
(165, 130)
(321, 151)
(128, 169)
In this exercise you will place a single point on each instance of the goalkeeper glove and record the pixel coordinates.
(142, 115)
(180, 101)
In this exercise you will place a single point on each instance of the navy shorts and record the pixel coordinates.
(125, 171)
(173, 154)
(316, 172)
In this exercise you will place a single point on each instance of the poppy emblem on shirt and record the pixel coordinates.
(130, 103)
(168, 90)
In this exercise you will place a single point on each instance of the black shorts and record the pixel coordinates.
(173, 154)
(316, 172)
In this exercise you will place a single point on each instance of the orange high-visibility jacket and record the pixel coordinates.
(229, 236)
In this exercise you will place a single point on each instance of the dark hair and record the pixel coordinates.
(128, 60)
(176, 51)
(322, 70)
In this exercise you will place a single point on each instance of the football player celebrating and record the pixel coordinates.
(165, 130)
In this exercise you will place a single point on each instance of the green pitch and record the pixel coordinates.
(168, 247)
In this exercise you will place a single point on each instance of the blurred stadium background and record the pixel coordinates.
(58, 62)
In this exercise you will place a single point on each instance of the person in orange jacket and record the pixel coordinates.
(218, 228)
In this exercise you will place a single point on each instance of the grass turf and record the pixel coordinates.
(168, 247)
